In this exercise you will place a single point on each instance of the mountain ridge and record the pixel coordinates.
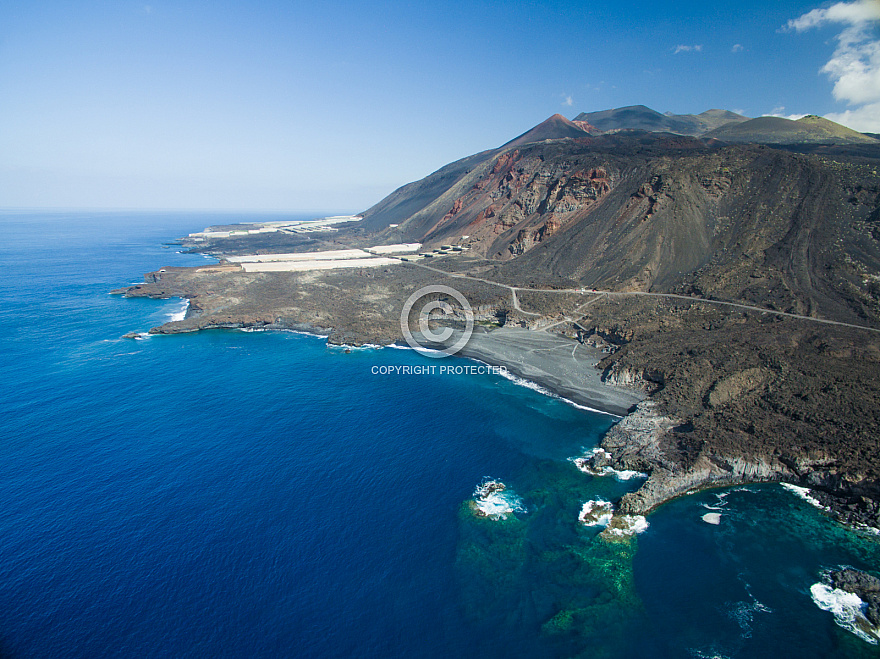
(779, 130)
(641, 117)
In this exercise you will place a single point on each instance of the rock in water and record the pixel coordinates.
(864, 585)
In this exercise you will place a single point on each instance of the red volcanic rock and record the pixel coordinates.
(587, 126)
(504, 160)
(484, 215)
(455, 207)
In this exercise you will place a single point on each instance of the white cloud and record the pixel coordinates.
(736, 48)
(568, 101)
(849, 13)
(779, 111)
(865, 118)
(793, 117)
(681, 48)
(854, 67)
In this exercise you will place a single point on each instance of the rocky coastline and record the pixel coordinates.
(647, 439)
(640, 442)
(737, 305)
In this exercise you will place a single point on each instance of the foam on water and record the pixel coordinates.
(596, 512)
(720, 503)
(515, 379)
(583, 464)
(528, 384)
(347, 347)
(700, 654)
(493, 499)
(180, 313)
(744, 614)
(848, 610)
(420, 350)
(626, 525)
(804, 493)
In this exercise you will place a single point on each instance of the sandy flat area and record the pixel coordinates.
(331, 255)
(302, 266)
(561, 365)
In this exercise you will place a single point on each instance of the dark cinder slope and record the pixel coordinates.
(771, 228)
(411, 198)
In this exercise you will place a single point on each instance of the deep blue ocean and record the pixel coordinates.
(260, 494)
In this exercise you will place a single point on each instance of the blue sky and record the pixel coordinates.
(303, 106)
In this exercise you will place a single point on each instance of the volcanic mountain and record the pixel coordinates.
(558, 180)
(737, 284)
(791, 229)
(640, 117)
(556, 127)
(777, 130)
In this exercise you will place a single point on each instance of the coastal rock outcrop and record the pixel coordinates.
(866, 586)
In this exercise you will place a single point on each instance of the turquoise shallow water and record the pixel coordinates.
(246, 494)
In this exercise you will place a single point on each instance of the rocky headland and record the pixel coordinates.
(733, 289)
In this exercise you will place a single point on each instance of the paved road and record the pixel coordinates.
(600, 293)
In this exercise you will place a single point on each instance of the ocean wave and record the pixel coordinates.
(534, 386)
(284, 330)
(515, 379)
(804, 493)
(596, 512)
(626, 525)
(584, 464)
(720, 503)
(180, 313)
(847, 609)
(493, 499)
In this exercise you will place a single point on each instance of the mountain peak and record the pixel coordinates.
(552, 128)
